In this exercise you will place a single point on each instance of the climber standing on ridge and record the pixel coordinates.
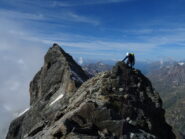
(130, 59)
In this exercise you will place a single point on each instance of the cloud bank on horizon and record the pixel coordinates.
(100, 29)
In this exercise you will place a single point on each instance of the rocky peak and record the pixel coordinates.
(56, 53)
(59, 71)
(120, 103)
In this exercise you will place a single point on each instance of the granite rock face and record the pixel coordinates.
(60, 72)
(118, 104)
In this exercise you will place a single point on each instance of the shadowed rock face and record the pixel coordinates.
(120, 103)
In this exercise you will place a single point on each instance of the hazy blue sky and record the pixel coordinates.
(94, 29)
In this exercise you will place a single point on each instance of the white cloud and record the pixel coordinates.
(20, 59)
(79, 18)
(80, 60)
(50, 4)
(150, 31)
(110, 45)
(85, 2)
(7, 107)
(20, 15)
(64, 16)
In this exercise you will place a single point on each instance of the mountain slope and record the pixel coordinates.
(120, 103)
(59, 78)
(60, 72)
(170, 82)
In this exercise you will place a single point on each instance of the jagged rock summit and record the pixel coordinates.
(65, 104)
(60, 72)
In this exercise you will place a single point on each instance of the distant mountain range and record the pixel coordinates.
(170, 82)
(94, 68)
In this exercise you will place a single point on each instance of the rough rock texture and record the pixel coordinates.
(118, 104)
(60, 72)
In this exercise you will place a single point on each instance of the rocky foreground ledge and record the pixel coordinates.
(65, 104)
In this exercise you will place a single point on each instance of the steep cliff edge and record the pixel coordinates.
(120, 103)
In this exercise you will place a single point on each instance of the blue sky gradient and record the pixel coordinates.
(101, 29)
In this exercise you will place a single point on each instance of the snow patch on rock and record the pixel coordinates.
(58, 98)
(23, 112)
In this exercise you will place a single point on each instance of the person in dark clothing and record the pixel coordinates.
(130, 59)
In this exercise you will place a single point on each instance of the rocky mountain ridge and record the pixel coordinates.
(65, 104)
